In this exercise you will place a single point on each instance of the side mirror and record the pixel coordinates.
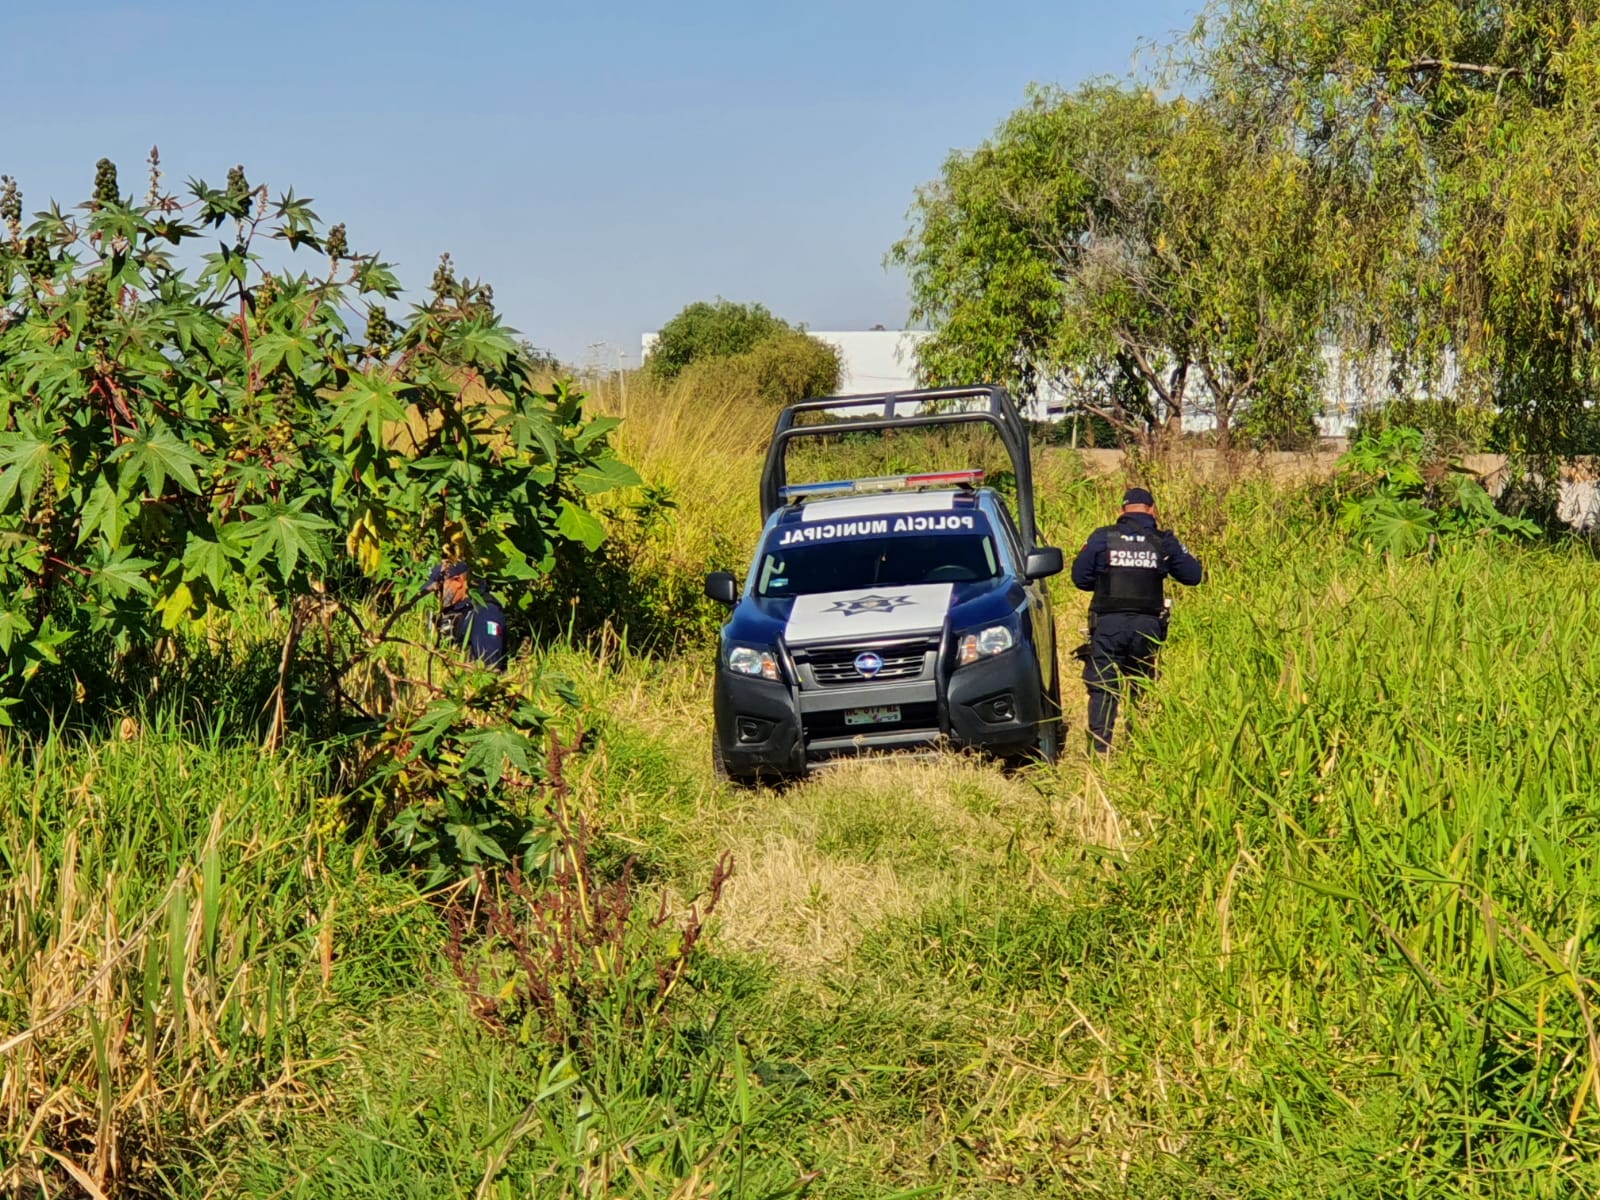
(1044, 562)
(722, 587)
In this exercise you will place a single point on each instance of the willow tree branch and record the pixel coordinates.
(1446, 66)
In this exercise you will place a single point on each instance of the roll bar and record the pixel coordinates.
(991, 406)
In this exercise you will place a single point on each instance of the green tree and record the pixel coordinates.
(1455, 147)
(1128, 251)
(705, 331)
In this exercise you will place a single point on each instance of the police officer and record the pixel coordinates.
(477, 624)
(1124, 565)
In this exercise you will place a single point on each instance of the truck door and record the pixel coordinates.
(1040, 618)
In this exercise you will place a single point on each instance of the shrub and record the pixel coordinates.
(1282, 421)
(781, 370)
(1455, 428)
(704, 331)
(570, 954)
(1408, 492)
(794, 367)
(168, 433)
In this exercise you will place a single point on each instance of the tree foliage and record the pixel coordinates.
(779, 370)
(1414, 183)
(704, 331)
(1455, 145)
(207, 394)
(1127, 251)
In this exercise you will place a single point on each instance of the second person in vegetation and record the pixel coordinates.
(469, 618)
(1125, 565)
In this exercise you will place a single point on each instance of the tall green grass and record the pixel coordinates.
(1323, 926)
(170, 924)
(1342, 942)
(1340, 939)
(1371, 873)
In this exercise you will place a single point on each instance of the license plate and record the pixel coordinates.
(883, 714)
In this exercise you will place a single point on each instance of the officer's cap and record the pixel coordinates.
(446, 571)
(1137, 495)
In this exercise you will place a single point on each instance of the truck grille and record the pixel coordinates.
(836, 667)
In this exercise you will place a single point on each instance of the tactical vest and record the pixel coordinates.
(1132, 580)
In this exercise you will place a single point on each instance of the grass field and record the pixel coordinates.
(1324, 926)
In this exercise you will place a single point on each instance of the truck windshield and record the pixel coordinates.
(850, 564)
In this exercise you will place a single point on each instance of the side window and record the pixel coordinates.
(771, 580)
(1012, 537)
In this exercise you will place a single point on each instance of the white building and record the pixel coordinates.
(885, 360)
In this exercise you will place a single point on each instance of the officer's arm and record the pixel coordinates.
(1086, 567)
(1181, 565)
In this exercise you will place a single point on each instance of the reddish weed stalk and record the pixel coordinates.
(574, 943)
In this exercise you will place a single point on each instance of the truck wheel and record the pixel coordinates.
(719, 767)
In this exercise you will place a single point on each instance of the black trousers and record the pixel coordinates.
(1122, 656)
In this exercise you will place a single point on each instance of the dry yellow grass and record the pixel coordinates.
(827, 861)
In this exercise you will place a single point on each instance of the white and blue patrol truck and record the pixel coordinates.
(889, 613)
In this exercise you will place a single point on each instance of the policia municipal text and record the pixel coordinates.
(1124, 565)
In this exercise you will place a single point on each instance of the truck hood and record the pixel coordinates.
(868, 613)
(865, 614)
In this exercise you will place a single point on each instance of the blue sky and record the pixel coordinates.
(600, 164)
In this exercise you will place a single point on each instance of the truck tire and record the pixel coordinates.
(719, 767)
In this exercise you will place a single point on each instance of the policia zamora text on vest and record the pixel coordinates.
(1125, 565)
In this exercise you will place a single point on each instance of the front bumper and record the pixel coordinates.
(765, 728)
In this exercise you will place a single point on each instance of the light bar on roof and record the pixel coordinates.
(881, 483)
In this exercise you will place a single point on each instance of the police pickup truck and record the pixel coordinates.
(888, 613)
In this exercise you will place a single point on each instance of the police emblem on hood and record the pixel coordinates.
(870, 604)
(906, 608)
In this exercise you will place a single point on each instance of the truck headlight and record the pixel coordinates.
(746, 660)
(996, 639)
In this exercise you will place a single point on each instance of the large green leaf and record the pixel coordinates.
(105, 514)
(292, 346)
(287, 533)
(1400, 527)
(580, 525)
(606, 475)
(156, 454)
(211, 555)
(532, 429)
(27, 458)
(120, 574)
(14, 624)
(596, 429)
(491, 749)
(369, 403)
(473, 846)
(484, 342)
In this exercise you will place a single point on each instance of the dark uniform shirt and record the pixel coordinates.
(473, 622)
(1095, 558)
